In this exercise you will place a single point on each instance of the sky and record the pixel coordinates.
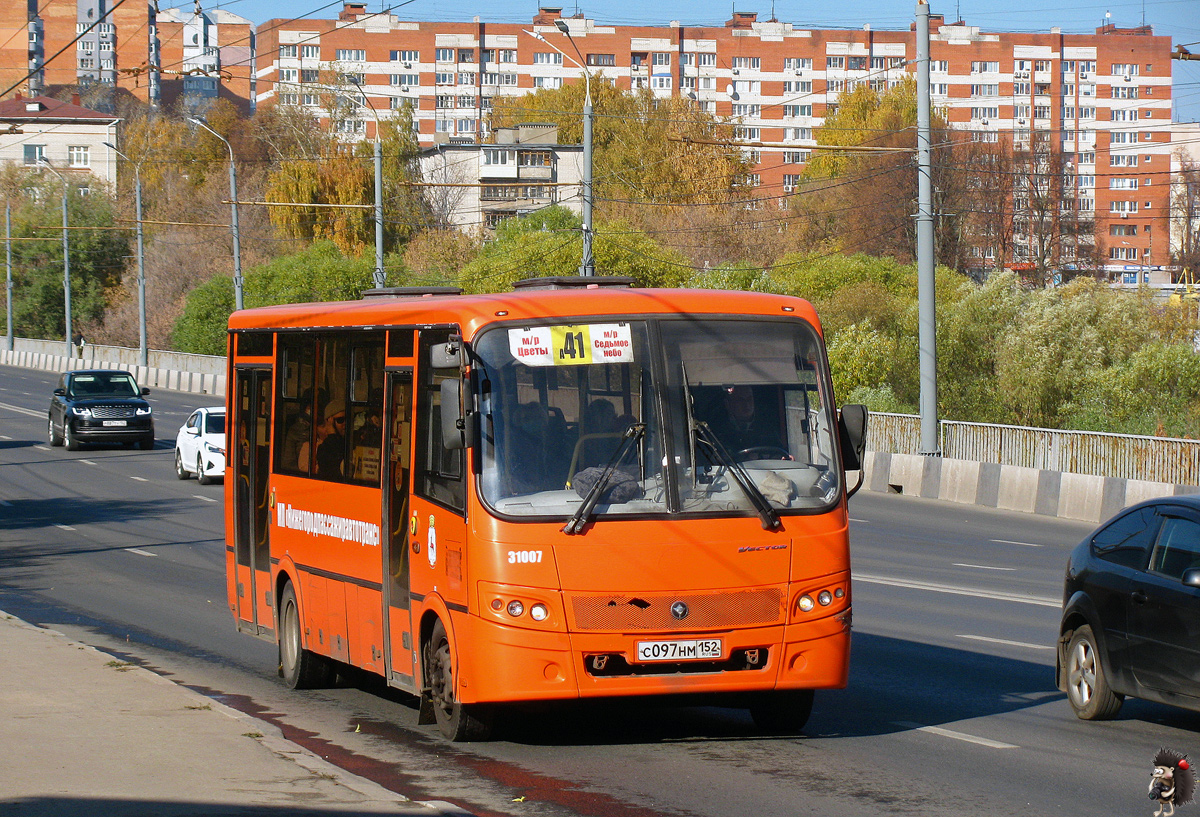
(1178, 19)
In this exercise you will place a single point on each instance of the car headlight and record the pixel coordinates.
(142, 412)
(212, 449)
(81, 411)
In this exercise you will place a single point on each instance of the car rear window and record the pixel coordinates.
(1177, 549)
(1127, 540)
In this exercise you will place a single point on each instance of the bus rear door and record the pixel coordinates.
(251, 473)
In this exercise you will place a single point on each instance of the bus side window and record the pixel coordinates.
(439, 475)
(295, 405)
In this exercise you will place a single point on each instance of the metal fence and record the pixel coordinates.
(1157, 459)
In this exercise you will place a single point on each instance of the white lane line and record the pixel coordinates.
(87, 462)
(862, 521)
(950, 733)
(1007, 642)
(41, 448)
(205, 498)
(5, 437)
(63, 527)
(957, 591)
(1011, 542)
(140, 479)
(20, 410)
(141, 552)
(982, 567)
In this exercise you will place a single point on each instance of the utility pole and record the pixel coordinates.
(380, 275)
(233, 223)
(66, 255)
(143, 352)
(8, 284)
(926, 259)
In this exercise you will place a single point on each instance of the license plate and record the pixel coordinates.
(679, 650)
(108, 423)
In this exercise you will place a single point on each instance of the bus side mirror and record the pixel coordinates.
(445, 356)
(852, 434)
(454, 425)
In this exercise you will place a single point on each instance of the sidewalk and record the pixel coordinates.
(84, 734)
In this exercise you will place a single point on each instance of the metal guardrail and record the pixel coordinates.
(1126, 456)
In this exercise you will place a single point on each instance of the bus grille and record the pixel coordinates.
(705, 611)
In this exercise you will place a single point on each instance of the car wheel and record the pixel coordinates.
(54, 437)
(782, 713)
(201, 477)
(180, 471)
(300, 668)
(456, 720)
(69, 439)
(1087, 680)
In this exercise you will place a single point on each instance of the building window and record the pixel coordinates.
(661, 83)
(443, 54)
(406, 56)
(288, 75)
(835, 62)
(791, 181)
(986, 67)
(796, 157)
(706, 60)
(288, 52)
(1126, 69)
(992, 89)
(747, 62)
(493, 156)
(746, 110)
(351, 55)
(77, 156)
(508, 55)
(797, 110)
(466, 55)
(797, 63)
(800, 86)
(534, 158)
(310, 52)
(660, 59)
(797, 134)
(443, 78)
(747, 134)
(939, 66)
(406, 79)
(466, 77)
(601, 59)
(34, 154)
(857, 63)
(552, 58)
(443, 101)
(547, 82)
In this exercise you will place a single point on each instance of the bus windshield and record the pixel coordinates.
(715, 417)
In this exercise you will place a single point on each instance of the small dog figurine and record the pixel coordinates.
(1171, 782)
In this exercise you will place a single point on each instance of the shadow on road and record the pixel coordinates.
(89, 807)
(20, 514)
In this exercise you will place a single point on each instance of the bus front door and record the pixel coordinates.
(399, 641)
(251, 472)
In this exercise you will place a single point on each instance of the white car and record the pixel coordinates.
(200, 446)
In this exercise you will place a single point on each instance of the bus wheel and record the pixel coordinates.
(457, 721)
(300, 668)
(782, 713)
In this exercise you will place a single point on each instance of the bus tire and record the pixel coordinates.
(299, 668)
(456, 720)
(782, 713)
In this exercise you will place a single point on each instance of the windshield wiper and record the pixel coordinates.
(584, 512)
(768, 515)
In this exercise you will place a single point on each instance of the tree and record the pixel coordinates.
(97, 249)
(1185, 213)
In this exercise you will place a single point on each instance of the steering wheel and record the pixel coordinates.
(762, 452)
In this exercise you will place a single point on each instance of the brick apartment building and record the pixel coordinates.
(1105, 98)
(158, 57)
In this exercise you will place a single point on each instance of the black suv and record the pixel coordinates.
(100, 405)
(1131, 611)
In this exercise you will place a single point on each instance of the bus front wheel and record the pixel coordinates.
(300, 668)
(456, 720)
(782, 713)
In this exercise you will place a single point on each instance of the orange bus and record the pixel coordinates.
(577, 489)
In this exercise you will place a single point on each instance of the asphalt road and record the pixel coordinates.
(951, 707)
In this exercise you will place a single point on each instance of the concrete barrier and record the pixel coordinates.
(152, 377)
(1009, 487)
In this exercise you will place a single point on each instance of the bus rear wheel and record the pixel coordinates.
(456, 720)
(782, 713)
(299, 668)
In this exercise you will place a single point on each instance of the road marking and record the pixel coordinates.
(950, 733)
(957, 591)
(1007, 642)
(141, 552)
(20, 410)
(861, 521)
(5, 437)
(140, 479)
(87, 462)
(41, 448)
(205, 498)
(1011, 542)
(63, 527)
(982, 567)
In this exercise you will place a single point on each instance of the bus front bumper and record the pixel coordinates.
(515, 664)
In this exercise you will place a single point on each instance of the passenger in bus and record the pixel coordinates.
(298, 437)
(331, 442)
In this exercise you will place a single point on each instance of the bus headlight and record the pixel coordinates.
(824, 598)
(538, 612)
(805, 603)
(515, 608)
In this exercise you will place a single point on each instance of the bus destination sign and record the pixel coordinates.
(572, 345)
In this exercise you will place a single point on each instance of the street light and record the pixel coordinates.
(66, 253)
(233, 224)
(380, 275)
(143, 352)
(587, 265)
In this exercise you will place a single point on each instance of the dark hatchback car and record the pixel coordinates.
(1131, 611)
(100, 406)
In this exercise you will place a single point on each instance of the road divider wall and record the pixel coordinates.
(153, 377)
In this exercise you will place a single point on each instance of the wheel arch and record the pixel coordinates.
(1079, 611)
